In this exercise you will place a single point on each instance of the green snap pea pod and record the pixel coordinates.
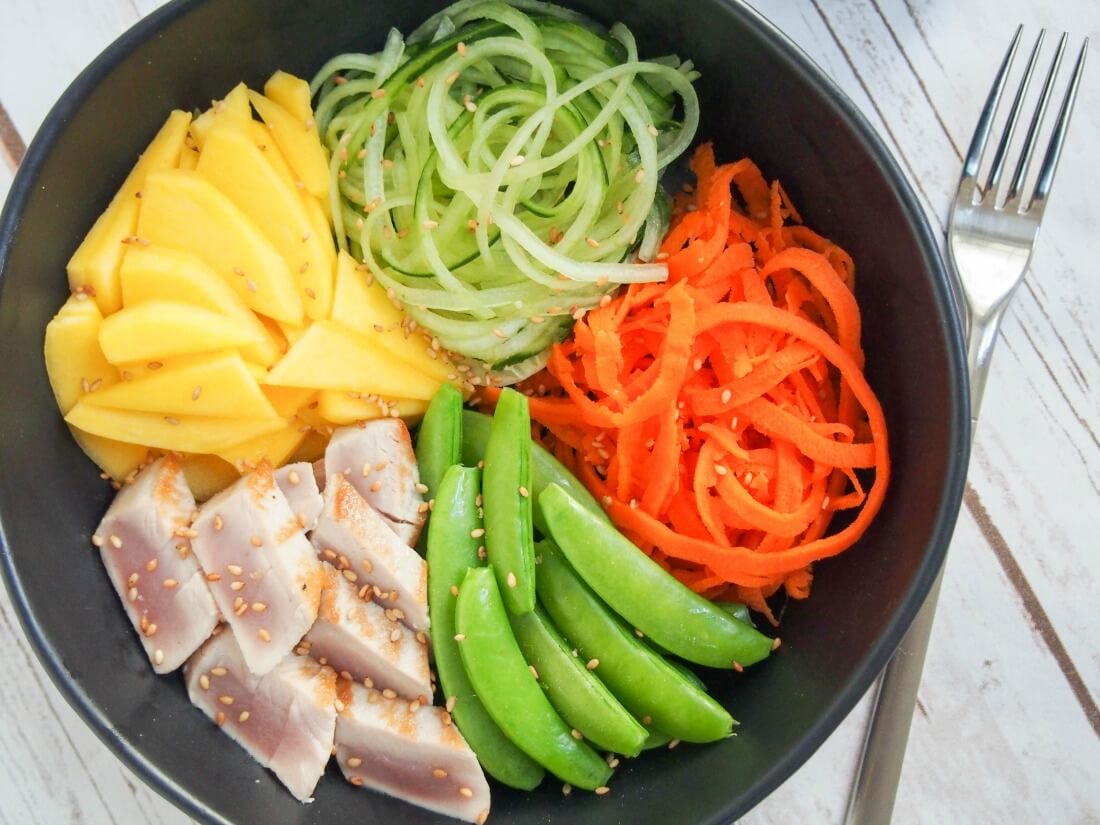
(655, 740)
(737, 610)
(644, 593)
(545, 469)
(451, 552)
(511, 695)
(647, 685)
(439, 442)
(574, 690)
(506, 494)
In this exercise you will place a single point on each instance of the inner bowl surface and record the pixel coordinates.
(761, 97)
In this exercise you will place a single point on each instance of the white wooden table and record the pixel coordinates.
(1008, 727)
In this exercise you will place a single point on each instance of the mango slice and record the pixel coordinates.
(156, 330)
(332, 356)
(220, 384)
(74, 361)
(299, 142)
(182, 210)
(367, 309)
(94, 265)
(207, 475)
(288, 400)
(190, 433)
(116, 458)
(276, 447)
(189, 158)
(319, 209)
(290, 92)
(151, 273)
(234, 106)
(341, 408)
(233, 163)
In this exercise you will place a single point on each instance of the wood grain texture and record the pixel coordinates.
(1003, 729)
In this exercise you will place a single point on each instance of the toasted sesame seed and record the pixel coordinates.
(430, 224)
(256, 541)
(351, 575)
(235, 586)
(511, 579)
(639, 176)
(172, 420)
(235, 569)
(460, 637)
(592, 242)
(169, 584)
(450, 703)
(395, 635)
(566, 789)
(477, 533)
(454, 590)
(451, 78)
(356, 780)
(218, 523)
(354, 761)
(158, 657)
(639, 633)
(466, 792)
(389, 694)
(376, 486)
(726, 396)
(592, 664)
(219, 671)
(576, 734)
(377, 94)
(264, 634)
(647, 720)
(421, 487)
(517, 160)
(226, 699)
(204, 681)
(258, 607)
(244, 716)
(720, 469)
(481, 552)
(116, 542)
(482, 818)
(534, 672)
(673, 743)
(600, 791)
(97, 541)
(151, 629)
(524, 492)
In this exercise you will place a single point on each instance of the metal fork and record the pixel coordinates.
(991, 233)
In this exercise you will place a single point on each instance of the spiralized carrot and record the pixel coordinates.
(722, 417)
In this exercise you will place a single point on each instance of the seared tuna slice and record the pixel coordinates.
(366, 642)
(302, 493)
(146, 550)
(352, 535)
(262, 570)
(408, 750)
(285, 719)
(379, 461)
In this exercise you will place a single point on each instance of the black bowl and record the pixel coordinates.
(761, 97)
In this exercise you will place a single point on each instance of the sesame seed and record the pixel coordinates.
(430, 224)
(421, 487)
(235, 586)
(158, 657)
(499, 333)
(451, 78)
(534, 672)
(460, 637)
(204, 681)
(256, 541)
(219, 719)
(264, 634)
(511, 579)
(481, 552)
(477, 533)
(356, 780)
(482, 818)
(395, 635)
(461, 48)
(378, 94)
(605, 301)
(450, 703)
(219, 671)
(592, 242)
(647, 720)
(592, 664)
(776, 642)
(726, 396)
(389, 694)
(244, 716)
(576, 734)
(235, 569)
(354, 761)
(169, 584)
(351, 575)
(566, 789)
(172, 420)
(226, 700)
(737, 667)
(250, 284)
(258, 607)
(310, 293)
(537, 319)
(414, 706)
(116, 542)
(466, 792)
(720, 469)
(454, 590)
(368, 566)
(524, 492)
(673, 743)
(652, 130)
(639, 633)
(151, 629)
(639, 176)
(517, 160)
(600, 791)
(293, 477)
(376, 486)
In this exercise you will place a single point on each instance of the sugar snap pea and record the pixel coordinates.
(511, 695)
(439, 442)
(644, 593)
(545, 469)
(451, 552)
(647, 685)
(506, 488)
(574, 690)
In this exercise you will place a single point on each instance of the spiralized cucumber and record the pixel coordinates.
(498, 172)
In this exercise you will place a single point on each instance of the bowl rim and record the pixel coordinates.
(958, 412)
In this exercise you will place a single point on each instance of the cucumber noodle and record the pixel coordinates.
(498, 172)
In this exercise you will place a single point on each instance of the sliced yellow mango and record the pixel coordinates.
(319, 209)
(233, 163)
(156, 330)
(299, 142)
(182, 210)
(290, 92)
(151, 273)
(369, 310)
(116, 458)
(220, 384)
(332, 356)
(189, 158)
(341, 408)
(292, 332)
(207, 475)
(94, 265)
(189, 434)
(276, 447)
(74, 361)
(288, 400)
(234, 106)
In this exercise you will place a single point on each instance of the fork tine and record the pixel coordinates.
(1036, 121)
(1058, 136)
(1013, 117)
(985, 120)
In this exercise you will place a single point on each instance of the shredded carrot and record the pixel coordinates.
(723, 417)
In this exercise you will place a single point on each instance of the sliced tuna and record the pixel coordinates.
(285, 719)
(378, 459)
(366, 642)
(408, 750)
(351, 535)
(145, 546)
(299, 485)
(262, 570)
